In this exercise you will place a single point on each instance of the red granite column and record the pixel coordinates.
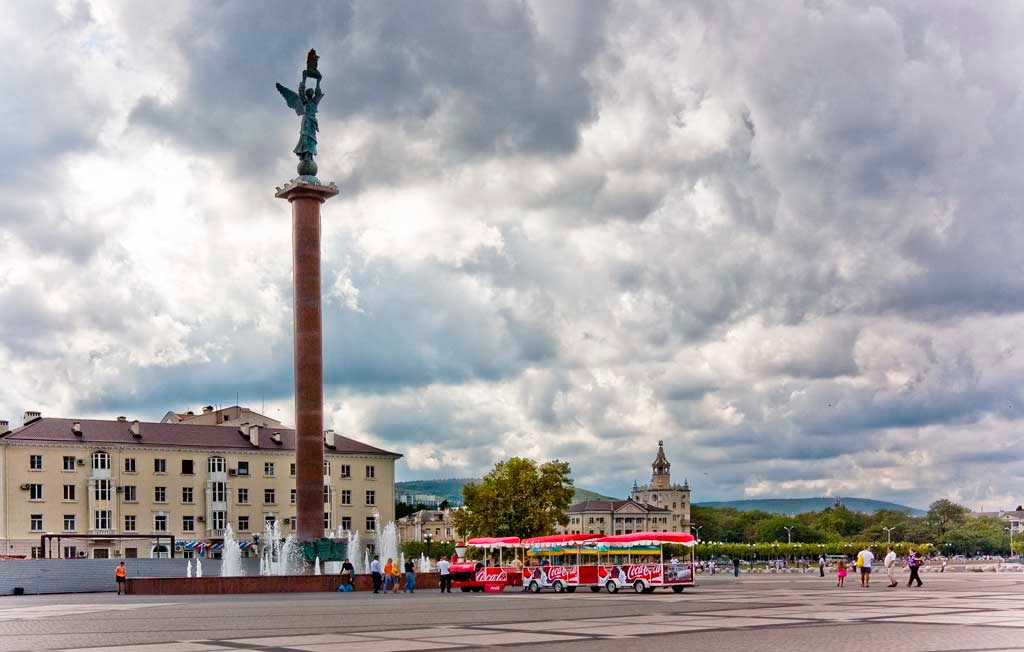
(306, 199)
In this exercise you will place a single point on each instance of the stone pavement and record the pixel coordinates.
(965, 612)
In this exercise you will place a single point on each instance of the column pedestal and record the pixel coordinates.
(306, 199)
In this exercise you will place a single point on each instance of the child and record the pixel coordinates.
(840, 573)
(396, 576)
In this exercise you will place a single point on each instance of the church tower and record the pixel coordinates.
(662, 493)
(661, 478)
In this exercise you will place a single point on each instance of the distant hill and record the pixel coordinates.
(792, 506)
(451, 489)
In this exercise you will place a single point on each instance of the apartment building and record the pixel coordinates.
(89, 479)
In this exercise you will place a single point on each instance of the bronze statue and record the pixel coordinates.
(305, 104)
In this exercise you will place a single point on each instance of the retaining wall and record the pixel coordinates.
(257, 584)
(93, 575)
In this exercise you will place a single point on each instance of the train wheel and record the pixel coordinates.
(534, 587)
(612, 587)
(558, 586)
(649, 589)
(466, 589)
(595, 589)
(570, 589)
(638, 586)
(678, 589)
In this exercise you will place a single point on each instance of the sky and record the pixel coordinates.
(784, 237)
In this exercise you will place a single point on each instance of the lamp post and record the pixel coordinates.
(696, 529)
(888, 534)
(789, 533)
(1010, 530)
(428, 538)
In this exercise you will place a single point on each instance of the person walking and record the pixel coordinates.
(396, 577)
(890, 567)
(821, 565)
(865, 558)
(914, 564)
(410, 576)
(840, 573)
(735, 566)
(120, 574)
(444, 570)
(375, 573)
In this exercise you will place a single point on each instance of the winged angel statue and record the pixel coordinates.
(305, 104)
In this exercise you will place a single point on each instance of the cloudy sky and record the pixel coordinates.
(782, 236)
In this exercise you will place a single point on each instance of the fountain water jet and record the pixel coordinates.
(231, 564)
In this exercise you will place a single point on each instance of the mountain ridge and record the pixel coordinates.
(794, 506)
(451, 489)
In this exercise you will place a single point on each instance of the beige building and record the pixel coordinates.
(96, 478)
(434, 522)
(658, 507)
(235, 415)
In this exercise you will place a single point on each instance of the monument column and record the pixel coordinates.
(306, 197)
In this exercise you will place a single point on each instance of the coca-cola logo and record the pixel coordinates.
(560, 573)
(642, 572)
(491, 575)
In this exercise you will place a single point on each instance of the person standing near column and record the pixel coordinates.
(890, 567)
(375, 573)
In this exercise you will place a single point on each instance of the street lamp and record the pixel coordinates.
(1010, 530)
(789, 532)
(428, 538)
(697, 529)
(888, 534)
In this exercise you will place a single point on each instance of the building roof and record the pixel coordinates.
(98, 432)
(610, 506)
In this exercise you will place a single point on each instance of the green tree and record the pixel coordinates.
(405, 509)
(517, 498)
(945, 515)
(774, 529)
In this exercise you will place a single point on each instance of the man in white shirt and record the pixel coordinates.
(375, 573)
(866, 557)
(443, 568)
(890, 567)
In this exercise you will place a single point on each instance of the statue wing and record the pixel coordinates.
(291, 97)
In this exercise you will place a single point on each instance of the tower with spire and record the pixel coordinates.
(662, 493)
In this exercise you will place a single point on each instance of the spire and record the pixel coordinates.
(660, 476)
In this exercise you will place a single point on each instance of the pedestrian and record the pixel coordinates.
(865, 558)
(840, 573)
(821, 565)
(120, 573)
(914, 564)
(711, 566)
(443, 569)
(348, 572)
(396, 577)
(387, 575)
(410, 576)
(375, 573)
(735, 566)
(944, 562)
(890, 567)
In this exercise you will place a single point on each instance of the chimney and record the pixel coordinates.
(29, 416)
(190, 413)
(122, 419)
(207, 409)
(254, 436)
(329, 438)
(76, 428)
(136, 432)
(276, 438)
(4, 426)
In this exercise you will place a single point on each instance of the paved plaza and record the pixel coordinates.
(952, 612)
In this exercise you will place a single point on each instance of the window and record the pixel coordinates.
(101, 490)
(188, 523)
(160, 523)
(327, 495)
(35, 462)
(70, 552)
(35, 492)
(243, 468)
(218, 492)
(268, 519)
(346, 523)
(220, 519)
(133, 553)
(371, 472)
(69, 462)
(327, 520)
(35, 522)
(346, 471)
(268, 496)
(129, 465)
(268, 469)
(346, 497)
(291, 469)
(243, 523)
(160, 466)
(160, 494)
(327, 467)
(243, 496)
(100, 461)
(371, 497)
(129, 523)
(293, 497)
(371, 523)
(101, 519)
(69, 492)
(217, 465)
(37, 552)
(130, 495)
(188, 467)
(186, 495)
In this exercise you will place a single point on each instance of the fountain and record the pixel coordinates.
(231, 564)
(277, 557)
(199, 567)
(354, 550)
(316, 565)
(366, 560)
(425, 565)
(188, 568)
(386, 539)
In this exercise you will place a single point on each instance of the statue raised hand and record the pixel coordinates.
(305, 104)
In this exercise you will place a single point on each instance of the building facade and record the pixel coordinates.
(437, 523)
(656, 507)
(235, 415)
(96, 478)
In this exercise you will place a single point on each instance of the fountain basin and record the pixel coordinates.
(257, 584)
